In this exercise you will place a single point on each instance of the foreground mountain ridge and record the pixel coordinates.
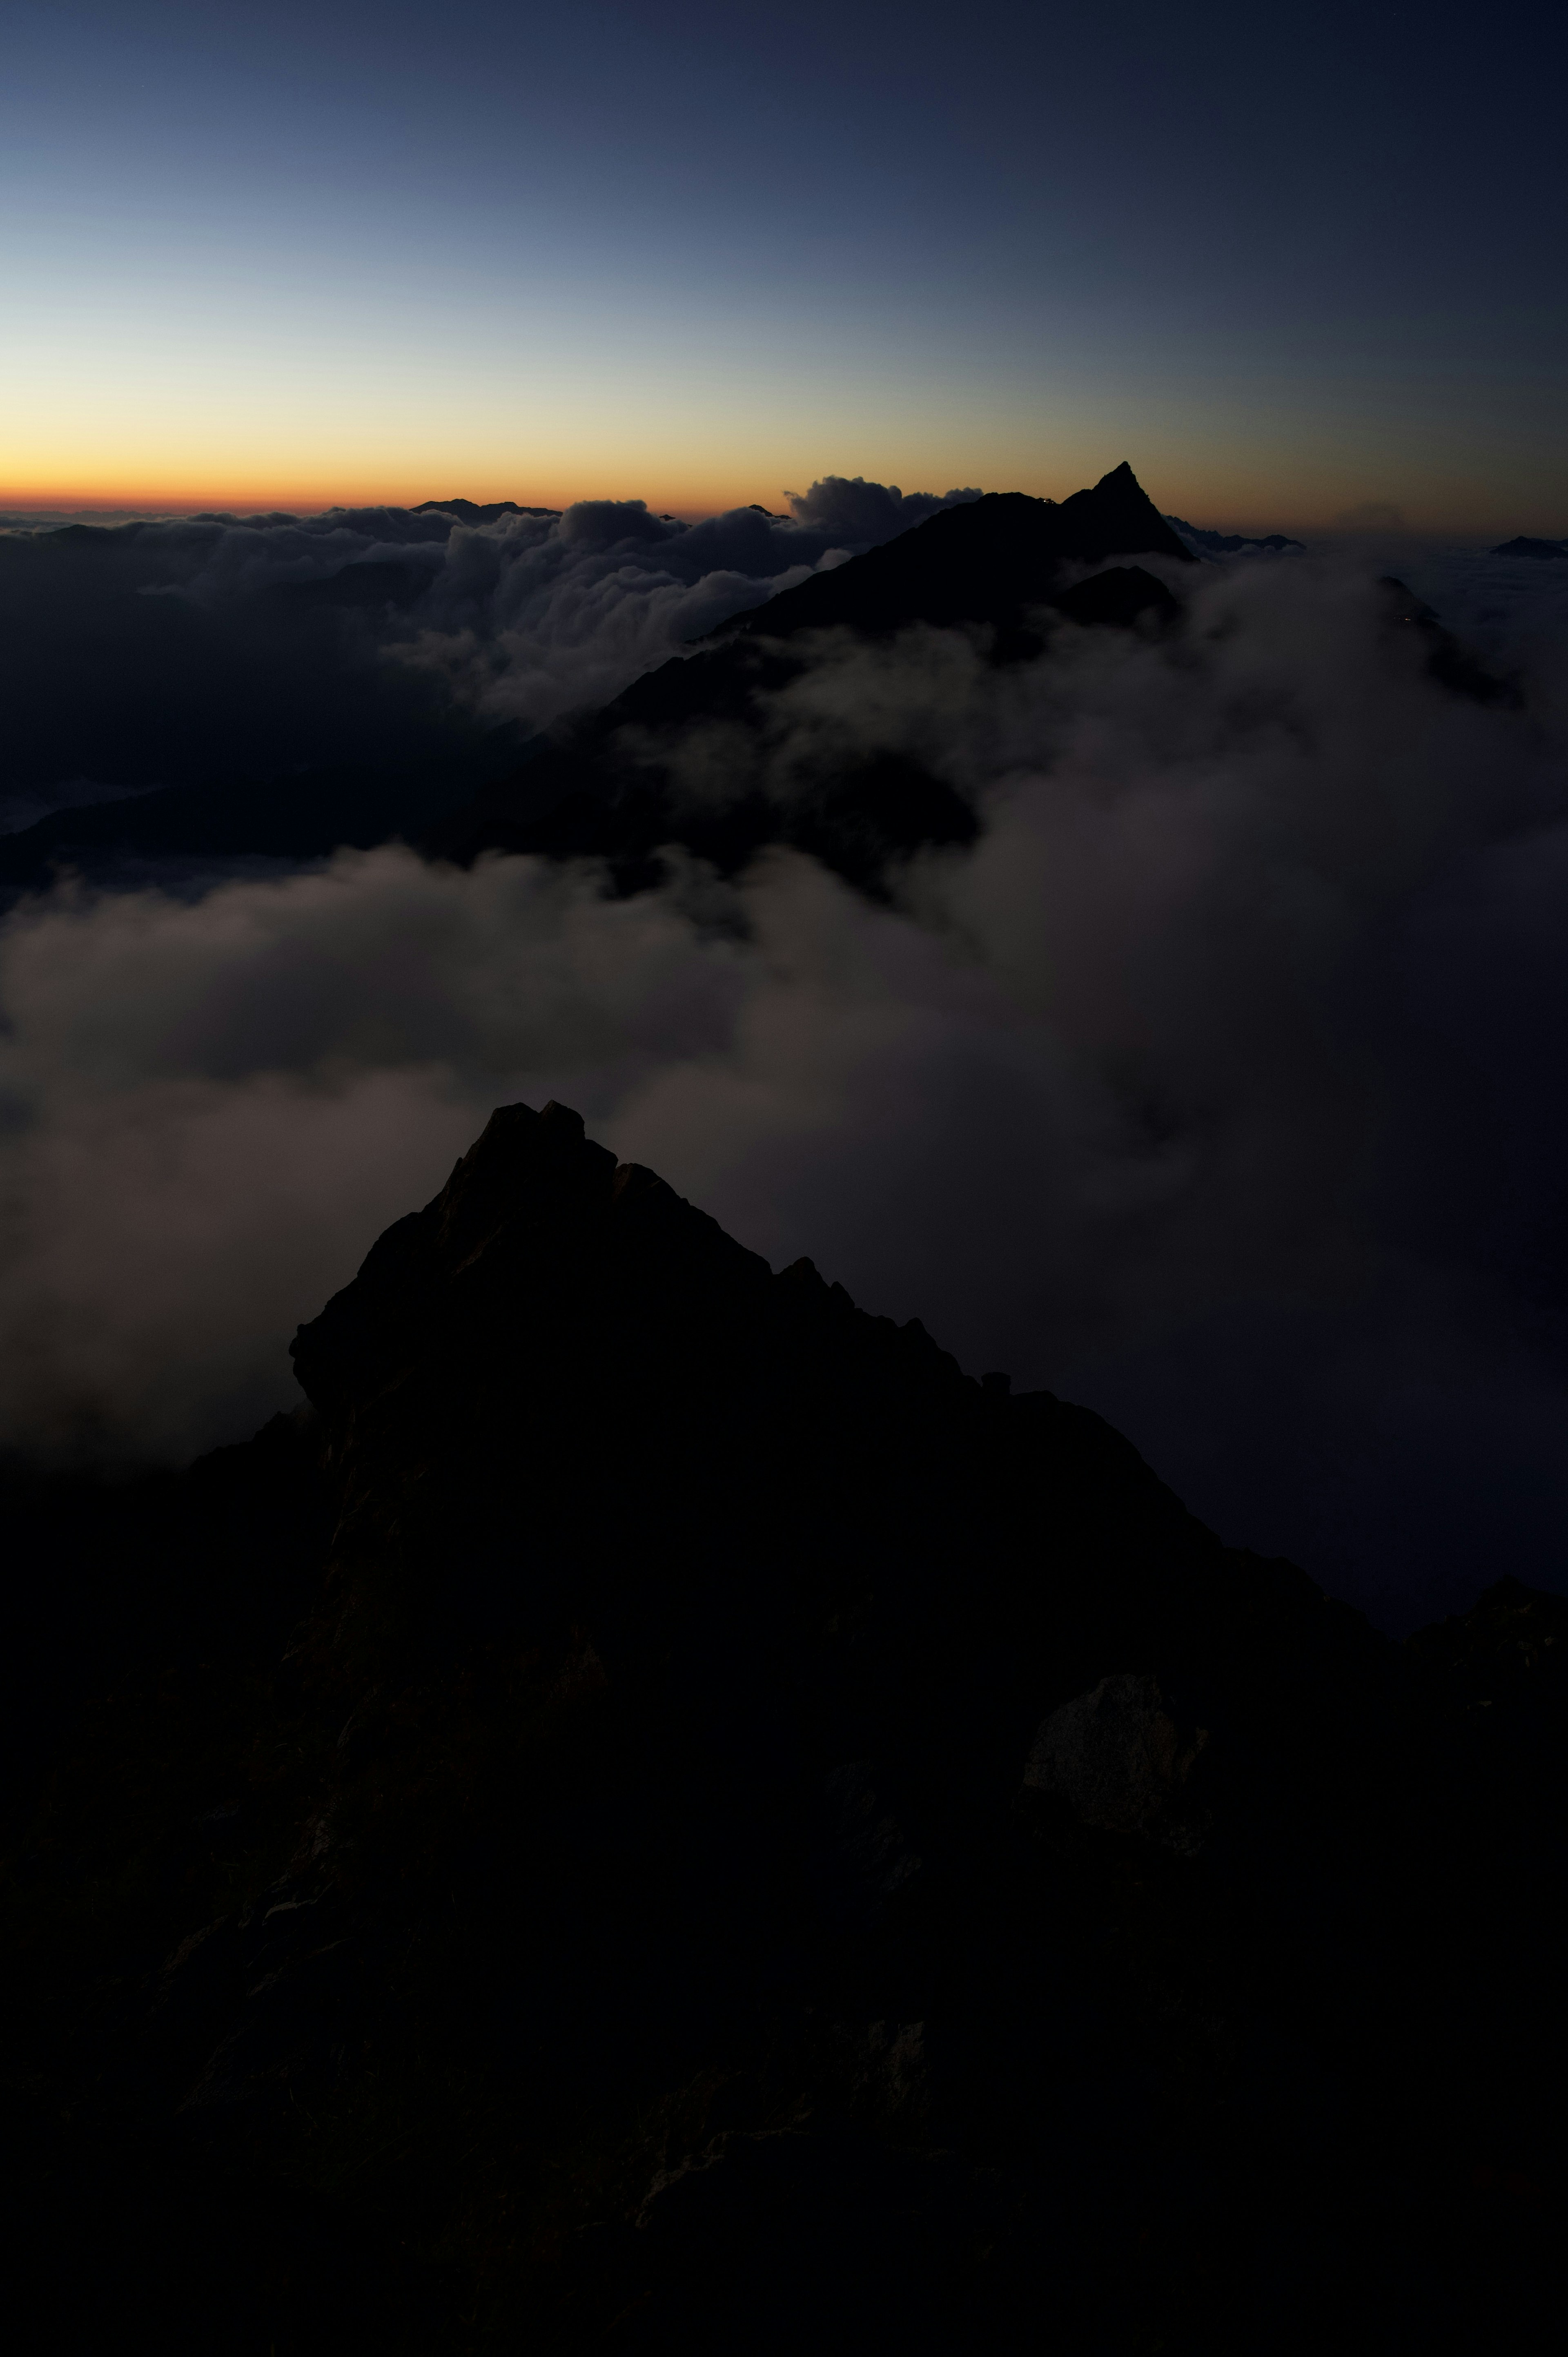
(660, 1814)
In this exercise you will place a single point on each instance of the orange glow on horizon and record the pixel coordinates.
(1228, 500)
(160, 499)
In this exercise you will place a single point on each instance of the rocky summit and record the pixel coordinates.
(457, 785)
(611, 787)
(658, 1814)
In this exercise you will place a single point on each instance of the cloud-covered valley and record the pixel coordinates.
(206, 648)
(1217, 1084)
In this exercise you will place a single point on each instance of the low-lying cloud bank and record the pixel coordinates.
(1219, 1084)
(189, 650)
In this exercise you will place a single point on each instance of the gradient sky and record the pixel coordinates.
(1288, 262)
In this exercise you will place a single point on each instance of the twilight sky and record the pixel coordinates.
(1290, 262)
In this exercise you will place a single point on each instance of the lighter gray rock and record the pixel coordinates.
(1118, 1759)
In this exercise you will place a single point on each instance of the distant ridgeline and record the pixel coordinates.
(609, 786)
(1232, 543)
(1523, 546)
(658, 1816)
(467, 511)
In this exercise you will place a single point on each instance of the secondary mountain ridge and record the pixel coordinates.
(998, 563)
(609, 786)
(993, 559)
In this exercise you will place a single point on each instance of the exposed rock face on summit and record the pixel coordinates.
(461, 789)
(1119, 1759)
(664, 1817)
(987, 561)
(603, 790)
(684, 1433)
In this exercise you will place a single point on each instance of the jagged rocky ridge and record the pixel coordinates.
(1233, 543)
(610, 788)
(659, 1815)
(577, 794)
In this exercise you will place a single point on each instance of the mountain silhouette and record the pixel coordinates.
(1230, 543)
(613, 786)
(472, 511)
(986, 560)
(1447, 660)
(989, 562)
(997, 563)
(1523, 546)
(659, 1815)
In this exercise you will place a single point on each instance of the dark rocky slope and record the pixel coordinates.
(662, 1816)
(1200, 542)
(609, 787)
(1446, 659)
(460, 788)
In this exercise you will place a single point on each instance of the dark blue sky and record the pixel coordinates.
(1288, 262)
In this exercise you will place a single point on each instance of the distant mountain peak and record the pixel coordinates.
(984, 560)
(999, 562)
(1203, 542)
(472, 511)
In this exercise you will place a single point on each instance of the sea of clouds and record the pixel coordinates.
(1219, 1084)
(193, 650)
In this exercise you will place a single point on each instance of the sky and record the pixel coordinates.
(1294, 264)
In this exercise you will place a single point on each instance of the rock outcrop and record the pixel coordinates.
(688, 1824)
(1118, 1759)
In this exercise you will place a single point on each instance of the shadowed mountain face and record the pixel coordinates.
(993, 562)
(664, 1817)
(989, 562)
(1233, 543)
(1447, 660)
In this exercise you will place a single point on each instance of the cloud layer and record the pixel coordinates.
(1218, 1084)
(186, 652)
